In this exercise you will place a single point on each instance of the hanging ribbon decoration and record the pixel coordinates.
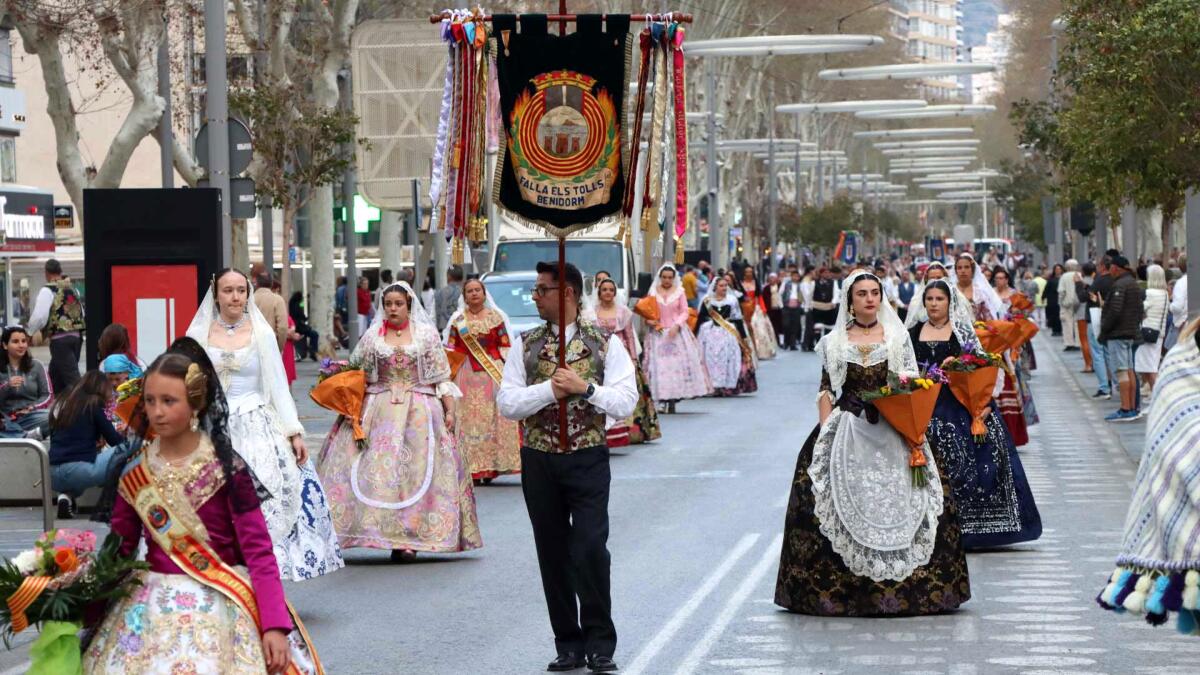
(465, 127)
(635, 139)
(653, 184)
(681, 140)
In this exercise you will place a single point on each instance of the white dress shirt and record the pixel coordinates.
(616, 397)
(41, 309)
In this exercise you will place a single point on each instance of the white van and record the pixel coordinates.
(519, 248)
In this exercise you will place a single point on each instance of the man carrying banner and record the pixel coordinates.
(566, 488)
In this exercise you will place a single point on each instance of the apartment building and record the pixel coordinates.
(932, 33)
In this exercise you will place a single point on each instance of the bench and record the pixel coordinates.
(25, 476)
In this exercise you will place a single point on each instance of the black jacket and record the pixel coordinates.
(1121, 316)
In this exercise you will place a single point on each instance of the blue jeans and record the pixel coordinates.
(73, 478)
(1099, 360)
(17, 428)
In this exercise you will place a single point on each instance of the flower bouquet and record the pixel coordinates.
(997, 336)
(342, 387)
(129, 395)
(647, 308)
(972, 378)
(907, 403)
(53, 584)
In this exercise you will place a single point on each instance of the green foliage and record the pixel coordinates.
(1027, 185)
(1126, 122)
(817, 226)
(298, 144)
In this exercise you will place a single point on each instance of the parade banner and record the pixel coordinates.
(847, 247)
(562, 104)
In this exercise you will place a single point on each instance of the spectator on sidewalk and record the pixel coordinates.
(58, 315)
(1050, 299)
(689, 286)
(1082, 281)
(793, 310)
(79, 458)
(1097, 292)
(446, 298)
(1069, 307)
(1179, 303)
(1120, 328)
(115, 340)
(25, 392)
(310, 341)
(366, 310)
(273, 308)
(1154, 324)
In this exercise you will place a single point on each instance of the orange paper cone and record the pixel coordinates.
(974, 390)
(647, 308)
(909, 415)
(456, 359)
(343, 394)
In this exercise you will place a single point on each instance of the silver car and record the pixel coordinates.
(513, 293)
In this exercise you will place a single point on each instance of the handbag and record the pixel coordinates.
(1149, 335)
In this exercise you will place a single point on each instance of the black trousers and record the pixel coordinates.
(64, 362)
(793, 318)
(567, 499)
(815, 316)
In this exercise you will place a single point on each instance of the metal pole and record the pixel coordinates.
(216, 109)
(835, 179)
(348, 189)
(1101, 231)
(820, 164)
(1192, 222)
(719, 235)
(411, 227)
(166, 135)
(985, 205)
(796, 170)
(772, 188)
(266, 213)
(1129, 232)
(668, 230)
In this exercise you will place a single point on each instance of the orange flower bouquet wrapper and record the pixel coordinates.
(1027, 329)
(999, 336)
(909, 415)
(647, 308)
(973, 389)
(1021, 303)
(125, 411)
(344, 394)
(456, 359)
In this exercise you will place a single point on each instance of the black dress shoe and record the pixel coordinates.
(601, 664)
(565, 662)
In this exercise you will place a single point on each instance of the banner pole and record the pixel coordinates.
(563, 438)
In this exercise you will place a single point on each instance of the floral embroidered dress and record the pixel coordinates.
(766, 342)
(642, 426)
(409, 488)
(491, 443)
(672, 358)
(172, 623)
(859, 539)
(1009, 403)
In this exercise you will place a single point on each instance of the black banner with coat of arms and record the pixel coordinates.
(562, 105)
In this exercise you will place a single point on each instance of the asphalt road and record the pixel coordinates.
(696, 528)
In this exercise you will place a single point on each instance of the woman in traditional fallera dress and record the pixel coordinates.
(227, 616)
(264, 427)
(614, 318)
(766, 344)
(988, 306)
(886, 547)
(995, 504)
(1158, 570)
(672, 357)
(1027, 362)
(916, 311)
(479, 331)
(722, 333)
(409, 489)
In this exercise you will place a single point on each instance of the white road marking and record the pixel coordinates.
(693, 603)
(770, 558)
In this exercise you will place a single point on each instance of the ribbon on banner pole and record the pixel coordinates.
(681, 141)
(437, 180)
(653, 190)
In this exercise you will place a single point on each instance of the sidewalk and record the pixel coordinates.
(1131, 435)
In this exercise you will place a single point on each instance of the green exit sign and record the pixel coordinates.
(364, 215)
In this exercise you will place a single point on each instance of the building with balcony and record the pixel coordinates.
(932, 33)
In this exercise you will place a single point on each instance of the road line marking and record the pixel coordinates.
(693, 603)
(735, 602)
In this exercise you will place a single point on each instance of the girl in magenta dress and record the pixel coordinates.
(195, 504)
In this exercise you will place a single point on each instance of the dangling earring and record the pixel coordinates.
(195, 421)
(852, 312)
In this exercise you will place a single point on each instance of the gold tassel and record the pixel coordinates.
(456, 251)
(678, 252)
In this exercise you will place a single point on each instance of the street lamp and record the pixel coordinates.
(949, 110)
(900, 153)
(906, 71)
(915, 133)
(757, 45)
(907, 145)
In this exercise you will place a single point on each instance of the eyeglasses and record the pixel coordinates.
(541, 291)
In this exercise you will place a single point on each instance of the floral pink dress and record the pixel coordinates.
(674, 363)
(410, 487)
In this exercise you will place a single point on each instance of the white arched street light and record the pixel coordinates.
(909, 145)
(915, 133)
(906, 71)
(931, 161)
(919, 170)
(897, 153)
(830, 107)
(966, 195)
(757, 45)
(964, 110)
(952, 186)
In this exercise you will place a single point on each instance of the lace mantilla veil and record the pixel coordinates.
(273, 384)
(488, 302)
(897, 345)
(983, 291)
(433, 367)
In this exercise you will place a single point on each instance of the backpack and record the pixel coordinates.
(66, 310)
